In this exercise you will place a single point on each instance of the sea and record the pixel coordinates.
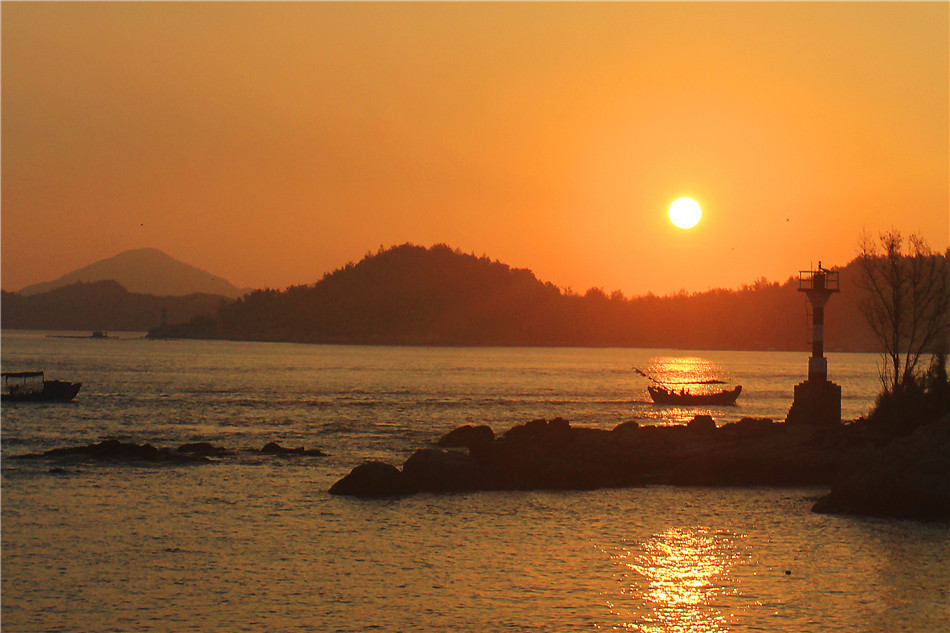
(255, 542)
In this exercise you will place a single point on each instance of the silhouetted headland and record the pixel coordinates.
(869, 473)
(411, 295)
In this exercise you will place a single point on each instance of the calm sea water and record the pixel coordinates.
(256, 543)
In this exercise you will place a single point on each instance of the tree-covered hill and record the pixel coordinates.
(100, 305)
(411, 295)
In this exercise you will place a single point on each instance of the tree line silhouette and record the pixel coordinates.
(100, 305)
(412, 295)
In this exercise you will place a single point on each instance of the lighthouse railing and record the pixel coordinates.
(806, 279)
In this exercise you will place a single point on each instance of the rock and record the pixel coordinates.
(909, 478)
(273, 448)
(436, 470)
(109, 449)
(203, 448)
(626, 427)
(116, 450)
(526, 431)
(701, 424)
(475, 438)
(559, 425)
(556, 430)
(371, 479)
(550, 454)
(751, 427)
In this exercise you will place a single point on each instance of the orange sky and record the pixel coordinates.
(270, 143)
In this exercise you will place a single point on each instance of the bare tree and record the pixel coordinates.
(906, 302)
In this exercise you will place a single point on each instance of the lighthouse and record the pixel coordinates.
(817, 400)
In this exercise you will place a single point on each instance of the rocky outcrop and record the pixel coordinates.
(371, 479)
(116, 450)
(551, 454)
(113, 450)
(273, 448)
(702, 424)
(909, 478)
(474, 438)
(438, 470)
(204, 449)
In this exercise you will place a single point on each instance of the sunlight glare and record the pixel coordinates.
(680, 582)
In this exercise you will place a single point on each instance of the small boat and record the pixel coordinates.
(662, 395)
(32, 386)
(98, 334)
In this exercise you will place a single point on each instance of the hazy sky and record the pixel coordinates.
(272, 142)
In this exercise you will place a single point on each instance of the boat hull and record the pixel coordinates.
(664, 396)
(53, 391)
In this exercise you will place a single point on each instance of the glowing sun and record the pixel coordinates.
(685, 213)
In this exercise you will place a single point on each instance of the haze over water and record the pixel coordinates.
(255, 543)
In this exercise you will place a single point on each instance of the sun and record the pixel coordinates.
(685, 213)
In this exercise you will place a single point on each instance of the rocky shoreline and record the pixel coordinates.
(112, 450)
(868, 473)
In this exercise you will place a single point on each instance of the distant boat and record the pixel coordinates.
(661, 395)
(32, 386)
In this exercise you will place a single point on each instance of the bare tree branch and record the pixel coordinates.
(906, 302)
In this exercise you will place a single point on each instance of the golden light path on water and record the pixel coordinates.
(697, 375)
(677, 581)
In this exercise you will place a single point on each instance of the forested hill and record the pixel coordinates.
(100, 305)
(411, 295)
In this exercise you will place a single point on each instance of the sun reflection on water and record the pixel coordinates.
(689, 371)
(677, 581)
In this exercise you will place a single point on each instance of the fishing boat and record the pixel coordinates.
(32, 386)
(662, 395)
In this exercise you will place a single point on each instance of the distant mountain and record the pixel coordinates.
(144, 271)
(100, 305)
(411, 295)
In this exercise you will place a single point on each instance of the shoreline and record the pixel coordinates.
(866, 472)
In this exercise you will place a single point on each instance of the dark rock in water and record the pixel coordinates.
(110, 449)
(435, 470)
(909, 478)
(625, 427)
(115, 450)
(474, 438)
(58, 470)
(371, 479)
(752, 427)
(754, 453)
(203, 448)
(193, 452)
(273, 448)
(551, 466)
(551, 454)
(701, 424)
(528, 430)
(555, 430)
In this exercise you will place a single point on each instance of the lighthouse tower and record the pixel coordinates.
(817, 400)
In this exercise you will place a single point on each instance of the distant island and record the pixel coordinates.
(413, 295)
(134, 291)
(100, 306)
(146, 271)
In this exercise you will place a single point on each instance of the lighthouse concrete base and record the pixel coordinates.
(816, 402)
